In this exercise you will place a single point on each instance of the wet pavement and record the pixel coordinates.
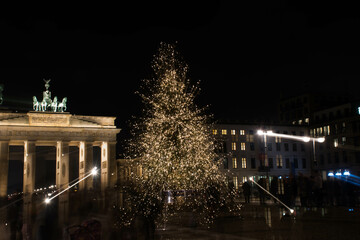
(274, 222)
(257, 221)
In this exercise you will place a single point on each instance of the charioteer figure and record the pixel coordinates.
(47, 104)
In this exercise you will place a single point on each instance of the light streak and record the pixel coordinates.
(301, 138)
(290, 209)
(92, 173)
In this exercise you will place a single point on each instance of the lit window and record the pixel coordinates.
(243, 146)
(242, 132)
(236, 184)
(279, 161)
(233, 146)
(224, 132)
(243, 162)
(234, 162)
(244, 179)
(343, 140)
(307, 120)
(214, 131)
(336, 142)
(232, 132)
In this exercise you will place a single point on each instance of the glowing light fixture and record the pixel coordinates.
(94, 171)
(338, 173)
(47, 200)
(346, 173)
(330, 174)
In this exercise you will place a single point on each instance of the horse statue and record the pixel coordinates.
(54, 104)
(47, 104)
(62, 105)
(36, 104)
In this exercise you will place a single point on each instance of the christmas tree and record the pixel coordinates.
(173, 144)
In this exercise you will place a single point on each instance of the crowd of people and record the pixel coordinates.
(306, 191)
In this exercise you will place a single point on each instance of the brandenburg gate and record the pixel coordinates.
(50, 125)
(61, 130)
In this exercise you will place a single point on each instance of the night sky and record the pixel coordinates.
(246, 55)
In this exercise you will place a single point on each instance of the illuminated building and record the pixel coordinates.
(244, 151)
(340, 125)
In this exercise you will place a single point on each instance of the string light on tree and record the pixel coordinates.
(172, 141)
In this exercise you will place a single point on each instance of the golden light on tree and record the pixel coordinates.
(173, 143)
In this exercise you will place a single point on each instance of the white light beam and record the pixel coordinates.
(291, 210)
(301, 138)
(93, 172)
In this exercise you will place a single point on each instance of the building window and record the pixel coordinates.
(294, 147)
(286, 146)
(224, 132)
(232, 132)
(271, 163)
(252, 146)
(287, 162)
(244, 178)
(296, 163)
(302, 147)
(214, 131)
(343, 139)
(234, 162)
(233, 146)
(243, 162)
(336, 142)
(269, 146)
(304, 162)
(226, 166)
(235, 182)
(278, 147)
(279, 161)
(253, 163)
(242, 132)
(243, 146)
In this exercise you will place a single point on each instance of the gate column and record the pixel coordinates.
(29, 167)
(62, 165)
(108, 165)
(85, 165)
(4, 167)
(29, 179)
